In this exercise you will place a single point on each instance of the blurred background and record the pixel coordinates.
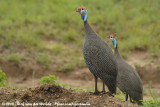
(41, 37)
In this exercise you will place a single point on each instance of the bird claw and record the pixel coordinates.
(104, 92)
(96, 92)
(110, 94)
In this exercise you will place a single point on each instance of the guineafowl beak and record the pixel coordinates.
(109, 37)
(78, 10)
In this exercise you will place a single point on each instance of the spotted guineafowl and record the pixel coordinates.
(128, 80)
(98, 56)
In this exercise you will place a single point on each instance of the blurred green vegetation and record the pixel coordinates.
(14, 57)
(51, 32)
(152, 102)
(3, 79)
(51, 79)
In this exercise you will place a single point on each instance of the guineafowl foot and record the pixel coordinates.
(110, 94)
(96, 92)
(104, 92)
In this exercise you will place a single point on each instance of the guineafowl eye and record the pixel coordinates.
(82, 8)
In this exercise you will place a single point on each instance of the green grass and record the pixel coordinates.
(51, 79)
(43, 59)
(15, 57)
(3, 79)
(28, 26)
(153, 102)
(120, 95)
(65, 68)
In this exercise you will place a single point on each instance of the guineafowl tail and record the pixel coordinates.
(111, 86)
(140, 103)
(112, 90)
(137, 96)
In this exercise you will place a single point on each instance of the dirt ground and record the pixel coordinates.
(50, 95)
(25, 87)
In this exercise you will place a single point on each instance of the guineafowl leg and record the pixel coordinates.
(127, 97)
(103, 91)
(96, 90)
(131, 100)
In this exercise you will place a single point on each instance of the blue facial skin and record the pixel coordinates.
(114, 42)
(84, 14)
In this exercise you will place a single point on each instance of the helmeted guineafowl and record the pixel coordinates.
(128, 80)
(98, 56)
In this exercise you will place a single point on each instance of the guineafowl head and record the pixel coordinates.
(114, 39)
(83, 11)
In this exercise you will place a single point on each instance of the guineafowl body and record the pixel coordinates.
(128, 80)
(99, 58)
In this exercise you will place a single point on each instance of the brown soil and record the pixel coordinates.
(150, 73)
(25, 70)
(148, 69)
(53, 95)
